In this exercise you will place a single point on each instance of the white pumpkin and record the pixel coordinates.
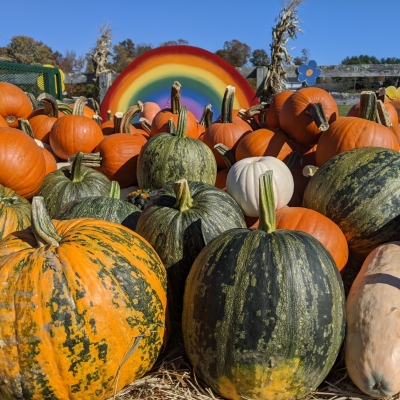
(372, 344)
(243, 184)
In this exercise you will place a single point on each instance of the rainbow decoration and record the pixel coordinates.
(203, 76)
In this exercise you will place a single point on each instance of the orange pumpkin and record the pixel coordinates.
(22, 164)
(275, 107)
(306, 114)
(3, 122)
(149, 110)
(14, 104)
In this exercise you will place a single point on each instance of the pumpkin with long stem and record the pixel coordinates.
(84, 310)
(263, 310)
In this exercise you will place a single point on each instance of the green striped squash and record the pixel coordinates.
(72, 182)
(169, 157)
(15, 212)
(110, 208)
(359, 190)
(263, 311)
(180, 219)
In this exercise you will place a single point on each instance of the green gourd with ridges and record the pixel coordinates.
(110, 208)
(180, 219)
(71, 183)
(15, 212)
(263, 311)
(359, 190)
(169, 157)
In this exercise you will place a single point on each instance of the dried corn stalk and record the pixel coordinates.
(285, 29)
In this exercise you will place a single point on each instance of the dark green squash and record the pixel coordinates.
(140, 197)
(359, 190)
(110, 208)
(15, 212)
(169, 157)
(180, 219)
(263, 311)
(70, 183)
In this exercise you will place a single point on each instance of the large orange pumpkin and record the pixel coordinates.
(306, 114)
(84, 310)
(275, 107)
(14, 104)
(22, 164)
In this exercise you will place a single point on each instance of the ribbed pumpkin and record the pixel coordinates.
(263, 313)
(372, 347)
(110, 208)
(70, 183)
(275, 107)
(149, 109)
(159, 123)
(84, 310)
(75, 133)
(22, 164)
(15, 212)
(14, 104)
(359, 190)
(167, 157)
(180, 219)
(226, 131)
(306, 114)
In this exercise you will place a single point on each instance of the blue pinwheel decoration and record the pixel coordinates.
(308, 73)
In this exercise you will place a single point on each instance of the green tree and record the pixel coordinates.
(26, 50)
(362, 59)
(235, 52)
(179, 42)
(70, 62)
(142, 48)
(123, 53)
(303, 59)
(260, 58)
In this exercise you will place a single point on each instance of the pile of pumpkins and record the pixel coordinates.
(241, 228)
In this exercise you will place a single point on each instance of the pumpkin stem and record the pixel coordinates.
(171, 127)
(176, 97)
(79, 105)
(128, 116)
(368, 105)
(33, 101)
(309, 170)
(226, 153)
(267, 222)
(382, 114)
(96, 118)
(227, 104)
(145, 124)
(109, 115)
(118, 121)
(294, 159)
(182, 119)
(242, 113)
(77, 167)
(49, 103)
(115, 191)
(25, 126)
(206, 117)
(89, 160)
(95, 105)
(317, 113)
(182, 192)
(43, 229)
(65, 108)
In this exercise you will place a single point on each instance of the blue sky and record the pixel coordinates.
(332, 29)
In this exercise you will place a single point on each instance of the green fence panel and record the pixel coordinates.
(32, 78)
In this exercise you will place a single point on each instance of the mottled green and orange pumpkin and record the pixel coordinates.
(83, 313)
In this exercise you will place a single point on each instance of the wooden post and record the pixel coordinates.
(105, 81)
(261, 74)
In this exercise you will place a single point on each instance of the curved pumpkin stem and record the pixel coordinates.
(267, 203)
(368, 105)
(95, 105)
(33, 100)
(309, 170)
(182, 192)
(176, 97)
(145, 124)
(317, 113)
(206, 117)
(43, 229)
(382, 116)
(242, 113)
(182, 119)
(96, 118)
(128, 116)
(79, 105)
(65, 108)
(115, 191)
(227, 105)
(89, 160)
(25, 126)
(49, 103)
(226, 154)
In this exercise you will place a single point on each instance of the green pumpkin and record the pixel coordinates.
(169, 157)
(110, 208)
(180, 219)
(359, 190)
(263, 310)
(15, 212)
(71, 183)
